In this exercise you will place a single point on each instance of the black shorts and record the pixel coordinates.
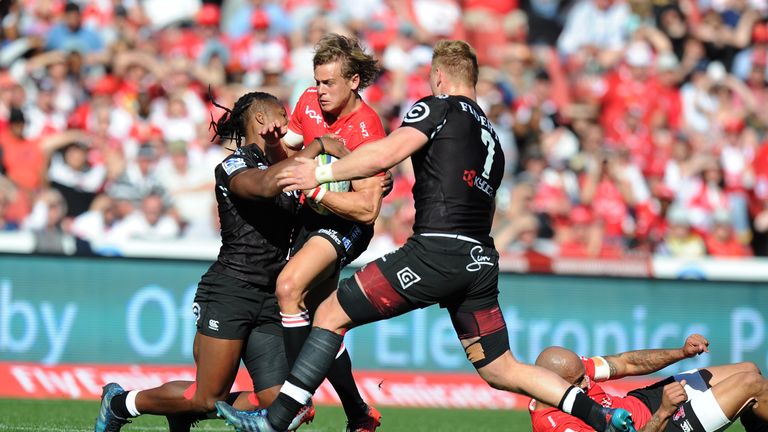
(462, 276)
(229, 308)
(684, 419)
(350, 239)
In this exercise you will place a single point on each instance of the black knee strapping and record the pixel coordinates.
(355, 304)
(488, 348)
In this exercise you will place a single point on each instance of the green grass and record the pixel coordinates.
(61, 416)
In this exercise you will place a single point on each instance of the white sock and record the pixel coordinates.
(296, 393)
(570, 398)
(130, 403)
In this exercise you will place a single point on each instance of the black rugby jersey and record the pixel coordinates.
(255, 233)
(458, 171)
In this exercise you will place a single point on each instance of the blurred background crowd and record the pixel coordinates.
(630, 127)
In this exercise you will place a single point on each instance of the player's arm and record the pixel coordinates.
(673, 396)
(380, 155)
(362, 204)
(262, 183)
(642, 362)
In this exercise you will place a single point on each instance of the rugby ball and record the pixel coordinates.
(339, 186)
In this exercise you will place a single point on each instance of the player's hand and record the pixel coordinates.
(695, 344)
(387, 183)
(299, 175)
(334, 146)
(273, 132)
(672, 397)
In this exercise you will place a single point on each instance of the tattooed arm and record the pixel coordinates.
(642, 362)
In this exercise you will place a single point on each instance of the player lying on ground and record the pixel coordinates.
(451, 259)
(703, 400)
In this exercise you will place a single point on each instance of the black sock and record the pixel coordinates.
(117, 404)
(307, 374)
(340, 377)
(294, 338)
(584, 408)
(753, 423)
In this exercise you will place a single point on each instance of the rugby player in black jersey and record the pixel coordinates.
(235, 306)
(450, 260)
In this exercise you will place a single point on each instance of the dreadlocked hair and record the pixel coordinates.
(353, 58)
(233, 124)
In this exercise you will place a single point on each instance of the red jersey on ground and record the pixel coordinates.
(358, 127)
(554, 420)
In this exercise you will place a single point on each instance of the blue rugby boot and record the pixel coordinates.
(108, 421)
(618, 420)
(244, 421)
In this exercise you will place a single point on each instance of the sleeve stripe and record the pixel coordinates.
(293, 140)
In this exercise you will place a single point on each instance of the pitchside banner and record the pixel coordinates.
(57, 312)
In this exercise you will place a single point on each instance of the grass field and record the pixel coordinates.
(61, 416)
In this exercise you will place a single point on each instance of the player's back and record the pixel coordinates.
(459, 171)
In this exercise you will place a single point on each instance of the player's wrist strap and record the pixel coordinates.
(324, 174)
(322, 145)
(317, 194)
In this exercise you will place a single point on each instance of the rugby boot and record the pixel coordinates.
(244, 421)
(108, 421)
(306, 415)
(366, 424)
(618, 420)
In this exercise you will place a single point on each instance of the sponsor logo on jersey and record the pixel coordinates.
(213, 325)
(407, 277)
(469, 177)
(233, 164)
(478, 259)
(686, 426)
(417, 113)
(472, 180)
(314, 115)
(483, 185)
(680, 413)
(363, 130)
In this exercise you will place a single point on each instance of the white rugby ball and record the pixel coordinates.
(338, 186)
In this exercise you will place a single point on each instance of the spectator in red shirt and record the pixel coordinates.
(23, 160)
(721, 241)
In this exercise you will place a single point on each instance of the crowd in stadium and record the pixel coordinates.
(630, 127)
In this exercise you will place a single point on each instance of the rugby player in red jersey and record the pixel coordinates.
(327, 242)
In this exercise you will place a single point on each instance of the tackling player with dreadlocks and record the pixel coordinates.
(235, 306)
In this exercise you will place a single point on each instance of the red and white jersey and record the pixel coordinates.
(356, 128)
(554, 420)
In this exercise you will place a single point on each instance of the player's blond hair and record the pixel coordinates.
(354, 60)
(457, 59)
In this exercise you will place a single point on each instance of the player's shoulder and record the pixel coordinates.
(428, 107)
(243, 158)
(307, 97)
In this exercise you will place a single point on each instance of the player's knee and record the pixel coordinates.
(204, 403)
(330, 315)
(750, 367)
(287, 289)
(753, 383)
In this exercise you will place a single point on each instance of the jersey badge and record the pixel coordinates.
(417, 113)
(233, 164)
